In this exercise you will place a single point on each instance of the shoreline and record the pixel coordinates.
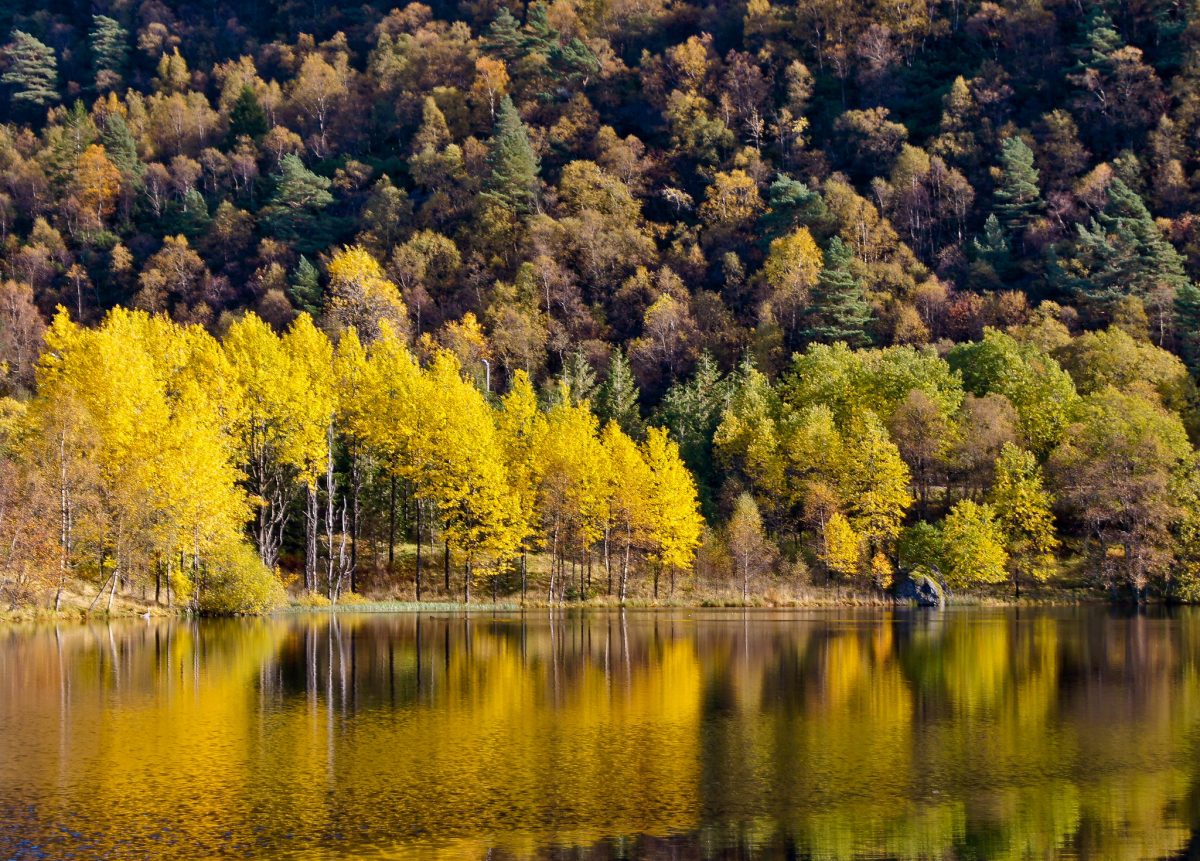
(400, 607)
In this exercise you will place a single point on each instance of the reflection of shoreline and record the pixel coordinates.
(909, 734)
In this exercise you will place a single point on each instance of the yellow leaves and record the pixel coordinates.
(150, 396)
(689, 60)
(630, 483)
(572, 474)
(353, 266)
(465, 338)
(360, 296)
(97, 183)
(973, 545)
(793, 264)
(843, 546)
(311, 401)
(675, 513)
(467, 478)
(732, 200)
(193, 439)
(491, 82)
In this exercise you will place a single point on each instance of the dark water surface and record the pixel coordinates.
(688, 734)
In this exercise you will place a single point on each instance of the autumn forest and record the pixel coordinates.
(611, 300)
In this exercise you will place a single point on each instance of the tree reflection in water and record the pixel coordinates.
(683, 734)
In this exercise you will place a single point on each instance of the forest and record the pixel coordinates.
(620, 299)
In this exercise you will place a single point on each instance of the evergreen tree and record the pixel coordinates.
(72, 133)
(247, 117)
(579, 378)
(305, 287)
(295, 208)
(514, 180)
(691, 410)
(1101, 41)
(504, 37)
(119, 145)
(993, 256)
(790, 204)
(188, 216)
(32, 71)
(109, 42)
(1018, 197)
(1187, 324)
(1124, 253)
(839, 311)
(617, 399)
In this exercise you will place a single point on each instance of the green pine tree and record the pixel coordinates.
(1187, 325)
(580, 378)
(504, 38)
(120, 145)
(247, 117)
(839, 310)
(993, 263)
(1123, 253)
(66, 140)
(691, 410)
(305, 287)
(32, 71)
(1101, 40)
(617, 399)
(109, 42)
(188, 216)
(791, 204)
(294, 211)
(514, 180)
(1018, 197)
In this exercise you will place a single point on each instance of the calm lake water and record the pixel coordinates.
(688, 734)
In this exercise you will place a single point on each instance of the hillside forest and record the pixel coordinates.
(628, 298)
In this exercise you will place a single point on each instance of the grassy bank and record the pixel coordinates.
(812, 598)
(78, 598)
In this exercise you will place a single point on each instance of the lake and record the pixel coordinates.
(972, 733)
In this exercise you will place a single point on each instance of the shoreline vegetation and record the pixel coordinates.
(486, 299)
(79, 602)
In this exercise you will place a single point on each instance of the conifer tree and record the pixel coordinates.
(32, 71)
(1124, 253)
(1187, 324)
(1018, 197)
(109, 42)
(504, 37)
(579, 378)
(692, 411)
(120, 145)
(617, 398)
(247, 117)
(295, 207)
(839, 311)
(513, 183)
(305, 287)
(790, 204)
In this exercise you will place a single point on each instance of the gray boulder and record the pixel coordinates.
(921, 589)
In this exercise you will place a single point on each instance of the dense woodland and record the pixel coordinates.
(665, 295)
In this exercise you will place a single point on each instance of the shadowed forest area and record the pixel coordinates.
(634, 299)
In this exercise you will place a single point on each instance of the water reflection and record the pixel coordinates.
(969, 734)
